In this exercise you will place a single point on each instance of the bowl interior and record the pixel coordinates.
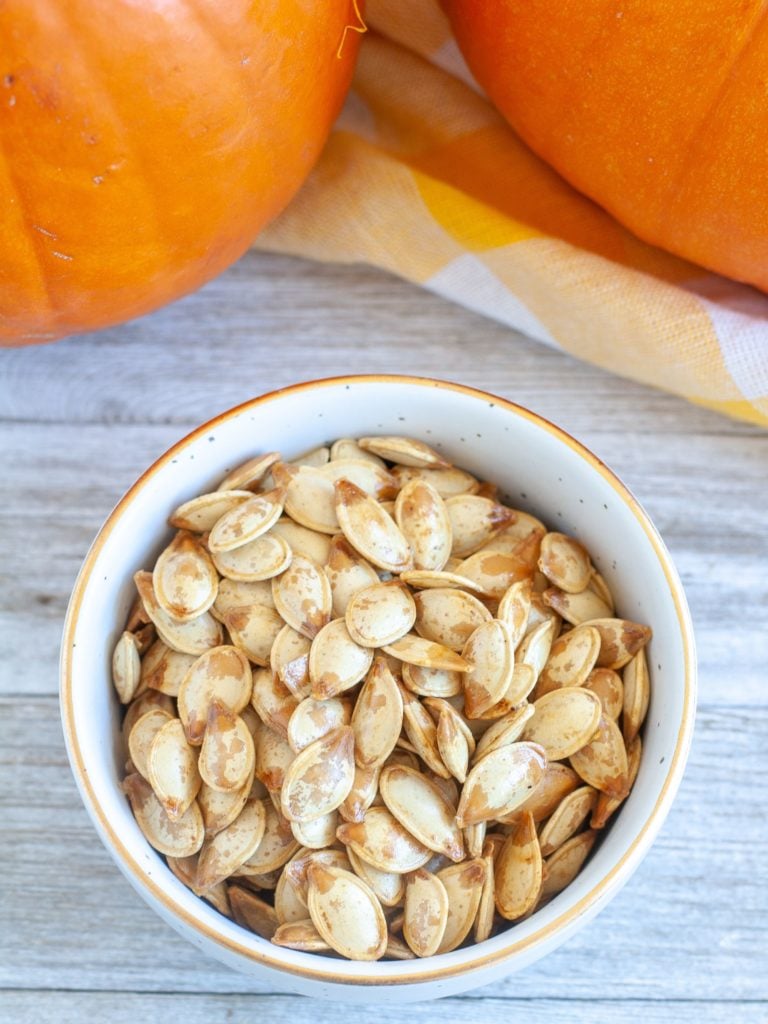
(539, 469)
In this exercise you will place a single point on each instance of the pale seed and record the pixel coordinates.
(236, 593)
(181, 837)
(449, 616)
(563, 721)
(490, 651)
(518, 871)
(256, 561)
(346, 913)
(382, 841)
(370, 530)
(225, 852)
(474, 521)
(380, 614)
(425, 912)
(220, 809)
(248, 475)
(201, 514)
(452, 746)
(567, 819)
(636, 695)
(571, 659)
(126, 667)
(142, 736)
(348, 448)
(422, 516)
(192, 637)
(253, 913)
(447, 482)
(431, 682)
(315, 457)
(415, 650)
(602, 762)
(608, 686)
(377, 719)
(309, 497)
(223, 674)
(464, 886)
(474, 837)
(320, 777)
(364, 474)
(318, 833)
(246, 521)
(184, 579)
(565, 562)
(146, 701)
(566, 862)
(172, 769)
(364, 791)
(227, 756)
(336, 662)
(500, 782)
(273, 758)
(405, 451)
(598, 586)
(420, 808)
(535, 648)
(302, 596)
(253, 629)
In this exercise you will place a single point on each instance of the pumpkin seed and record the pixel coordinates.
(565, 562)
(253, 913)
(415, 650)
(452, 746)
(378, 716)
(297, 867)
(225, 852)
(431, 579)
(142, 736)
(347, 573)
(566, 862)
(139, 706)
(237, 593)
(301, 935)
(366, 475)
(503, 731)
(422, 732)
(449, 616)
(571, 659)
(380, 840)
(431, 682)
(246, 521)
(227, 756)
(370, 530)
(348, 448)
(474, 836)
(602, 762)
(500, 782)
(273, 758)
(312, 719)
(248, 475)
(620, 640)
(557, 782)
(494, 571)
(172, 769)
(276, 848)
(576, 608)
(567, 819)
(318, 833)
(361, 796)
(164, 669)
(423, 518)
(608, 686)
(289, 660)
(636, 695)
(406, 451)
(421, 809)
(536, 646)
(520, 686)
(447, 482)
(253, 629)
(192, 637)
(272, 701)
(397, 949)
(309, 497)
(180, 837)
(464, 886)
(563, 721)
(290, 903)
(316, 457)
(223, 674)
(598, 586)
(257, 560)
(220, 809)
(388, 887)
(490, 652)
(380, 614)
(201, 514)
(487, 907)
(518, 871)
(336, 662)
(514, 609)
(606, 805)
(524, 532)
(346, 913)
(126, 667)
(302, 540)
(320, 777)
(184, 579)
(425, 912)
(474, 521)
(302, 596)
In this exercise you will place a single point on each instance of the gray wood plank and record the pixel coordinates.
(692, 924)
(128, 1007)
(271, 320)
(704, 492)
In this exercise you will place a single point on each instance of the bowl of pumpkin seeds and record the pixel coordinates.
(378, 681)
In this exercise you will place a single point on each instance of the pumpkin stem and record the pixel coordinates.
(361, 27)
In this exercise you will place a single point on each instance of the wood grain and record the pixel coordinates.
(687, 939)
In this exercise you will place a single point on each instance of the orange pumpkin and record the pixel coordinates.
(656, 110)
(144, 144)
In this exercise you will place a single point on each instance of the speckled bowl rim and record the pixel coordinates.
(324, 972)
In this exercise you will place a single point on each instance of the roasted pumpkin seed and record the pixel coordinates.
(248, 475)
(518, 871)
(425, 912)
(346, 913)
(570, 815)
(253, 913)
(561, 868)
(602, 762)
(405, 451)
(320, 777)
(378, 716)
(636, 695)
(474, 521)
(382, 841)
(490, 652)
(500, 782)
(227, 756)
(223, 674)
(563, 721)
(421, 809)
(336, 662)
(302, 596)
(464, 886)
(180, 837)
(126, 667)
(369, 529)
(380, 614)
(225, 852)
(423, 518)
(258, 560)
(172, 769)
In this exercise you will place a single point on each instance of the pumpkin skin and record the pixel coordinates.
(656, 110)
(144, 143)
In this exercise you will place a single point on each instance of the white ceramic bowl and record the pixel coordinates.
(542, 469)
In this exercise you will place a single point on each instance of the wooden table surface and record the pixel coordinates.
(687, 939)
